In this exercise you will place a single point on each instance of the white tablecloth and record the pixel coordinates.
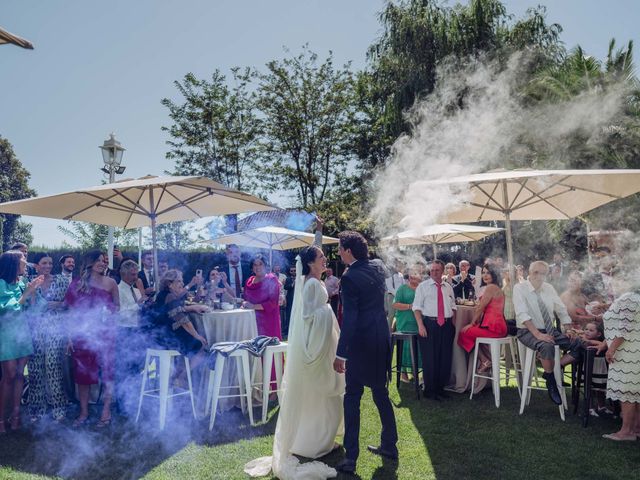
(227, 326)
(461, 362)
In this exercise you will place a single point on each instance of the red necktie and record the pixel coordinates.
(238, 284)
(440, 305)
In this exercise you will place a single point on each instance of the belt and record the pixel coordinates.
(435, 318)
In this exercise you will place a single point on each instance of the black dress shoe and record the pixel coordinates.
(383, 452)
(347, 466)
(552, 388)
(444, 395)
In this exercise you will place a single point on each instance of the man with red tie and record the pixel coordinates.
(434, 307)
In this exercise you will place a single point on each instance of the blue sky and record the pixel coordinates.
(101, 67)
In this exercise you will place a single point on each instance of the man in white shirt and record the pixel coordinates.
(535, 302)
(333, 290)
(434, 307)
(392, 282)
(130, 344)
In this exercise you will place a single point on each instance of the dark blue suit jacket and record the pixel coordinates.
(365, 340)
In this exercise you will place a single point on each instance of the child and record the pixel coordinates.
(593, 337)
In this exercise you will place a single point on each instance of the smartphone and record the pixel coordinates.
(198, 272)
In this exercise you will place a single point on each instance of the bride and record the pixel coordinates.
(311, 412)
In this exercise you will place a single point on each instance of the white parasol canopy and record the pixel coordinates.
(272, 238)
(534, 194)
(142, 202)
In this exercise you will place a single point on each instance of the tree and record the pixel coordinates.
(174, 236)
(308, 118)
(215, 129)
(91, 236)
(14, 185)
(417, 36)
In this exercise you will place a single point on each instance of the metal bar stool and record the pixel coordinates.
(398, 339)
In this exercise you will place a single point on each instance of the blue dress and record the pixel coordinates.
(15, 335)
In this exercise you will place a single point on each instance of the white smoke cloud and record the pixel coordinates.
(476, 121)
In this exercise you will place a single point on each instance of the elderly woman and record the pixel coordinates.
(450, 271)
(622, 333)
(15, 336)
(172, 327)
(49, 340)
(93, 301)
(405, 320)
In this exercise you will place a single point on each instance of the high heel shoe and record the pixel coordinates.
(80, 422)
(103, 423)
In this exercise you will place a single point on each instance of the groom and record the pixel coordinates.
(364, 349)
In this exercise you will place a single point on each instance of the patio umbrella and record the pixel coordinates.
(442, 233)
(147, 201)
(6, 37)
(534, 194)
(273, 238)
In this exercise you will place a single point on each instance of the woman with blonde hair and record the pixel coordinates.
(93, 300)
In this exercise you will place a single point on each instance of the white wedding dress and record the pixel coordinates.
(311, 412)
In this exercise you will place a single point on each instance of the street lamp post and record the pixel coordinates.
(112, 152)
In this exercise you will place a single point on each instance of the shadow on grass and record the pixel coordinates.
(126, 450)
(474, 439)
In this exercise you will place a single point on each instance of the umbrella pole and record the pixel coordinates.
(152, 215)
(155, 251)
(435, 251)
(507, 226)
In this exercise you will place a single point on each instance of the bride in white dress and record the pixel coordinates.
(311, 413)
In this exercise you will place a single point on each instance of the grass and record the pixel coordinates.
(457, 438)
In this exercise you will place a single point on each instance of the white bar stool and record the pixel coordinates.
(528, 359)
(244, 384)
(163, 371)
(270, 353)
(495, 346)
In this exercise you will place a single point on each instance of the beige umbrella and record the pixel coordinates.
(147, 201)
(6, 37)
(272, 238)
(441, 233)
(534, 194)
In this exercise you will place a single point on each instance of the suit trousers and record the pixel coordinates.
(353, 395)
(437, 350)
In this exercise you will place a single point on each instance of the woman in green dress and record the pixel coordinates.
(15, 337)
(405, 320)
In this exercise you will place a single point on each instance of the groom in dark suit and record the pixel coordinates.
(364, 349)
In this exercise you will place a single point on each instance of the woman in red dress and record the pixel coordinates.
(93, 300)
(488, 318)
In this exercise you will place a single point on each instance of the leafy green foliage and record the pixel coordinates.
(90, 236)
(14, 185)
(308, 113)
(216, 128)
(420, 34)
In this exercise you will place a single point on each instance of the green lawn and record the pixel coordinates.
(457, 438)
